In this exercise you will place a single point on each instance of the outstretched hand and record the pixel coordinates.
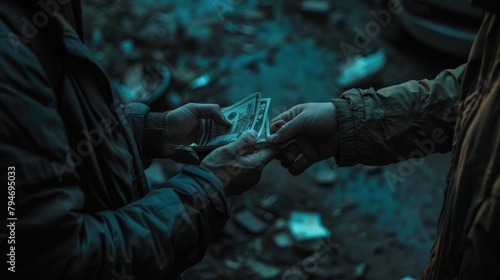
(313, 126)
(239, 165)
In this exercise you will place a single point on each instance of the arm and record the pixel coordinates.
(157, 133)
(413, 119)
(156, 236)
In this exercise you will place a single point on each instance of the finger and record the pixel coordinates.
(307, 147)
(210, 111)
(288, 115)
(245, 143)
(300, 165)
(291, 152)
(275, 126)
(289, 157)
(308, 156)
(279, 154)
(293, 149)
(286, 164)
(266, 155)
(259, 159)
(286, 132)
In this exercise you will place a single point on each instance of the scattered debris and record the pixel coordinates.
(372, 170)
(360, 271)
(250, 222)
(338, 18)
(240, 28)
(359, 70)
(326, 177)
(257, 245)
(264, 271)
(337, 212)
(231, 229)
(316, 6)
(268, 201)
(144, 83)
(232, 264)
(349, 203)
(200, 31)
(280, 224)
(306, 226)
(254, 16)
(283, 240)
(202, 81)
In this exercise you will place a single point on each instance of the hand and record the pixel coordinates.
(183, 124)
(238, 165)
(314, 128)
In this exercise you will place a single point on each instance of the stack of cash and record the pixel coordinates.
(250, 113)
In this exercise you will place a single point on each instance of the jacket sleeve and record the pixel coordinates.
(149, 131)
(155, 237)
(410, 120)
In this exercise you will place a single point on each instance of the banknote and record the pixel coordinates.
(250, 113)
(262, 120)
(264, 132)
(244, 115)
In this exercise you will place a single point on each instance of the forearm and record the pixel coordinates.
(155, 237)
(412, 119)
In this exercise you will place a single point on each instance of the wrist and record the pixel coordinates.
(335, 130)
(154, 139)
(345, 133)
(168, 144)
(221, 175)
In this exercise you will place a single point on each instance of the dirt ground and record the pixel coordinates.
(379, 230)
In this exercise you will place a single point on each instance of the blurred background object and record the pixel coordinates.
(449, 26)
(143, 82)
(361, 70)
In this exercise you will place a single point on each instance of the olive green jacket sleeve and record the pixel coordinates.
(413, 119)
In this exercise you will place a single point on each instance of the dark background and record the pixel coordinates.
(378, 230)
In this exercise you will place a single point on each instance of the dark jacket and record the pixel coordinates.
(83, 205)
(458, 111)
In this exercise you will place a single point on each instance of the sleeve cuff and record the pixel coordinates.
(153, 140)
(347, 134)
(220, 200)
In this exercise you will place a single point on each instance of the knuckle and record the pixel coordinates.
(256, 164)
(283, 130)
(190, 106)
(228, 152)
(260, 165)
(247, 138)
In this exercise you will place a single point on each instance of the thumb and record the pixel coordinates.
(275, 126)
(286, 132)
(245, 142)
(267, 155)
(211, 111)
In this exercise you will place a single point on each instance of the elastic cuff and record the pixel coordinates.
(153, 139)
(346, 130)
(219, 200)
